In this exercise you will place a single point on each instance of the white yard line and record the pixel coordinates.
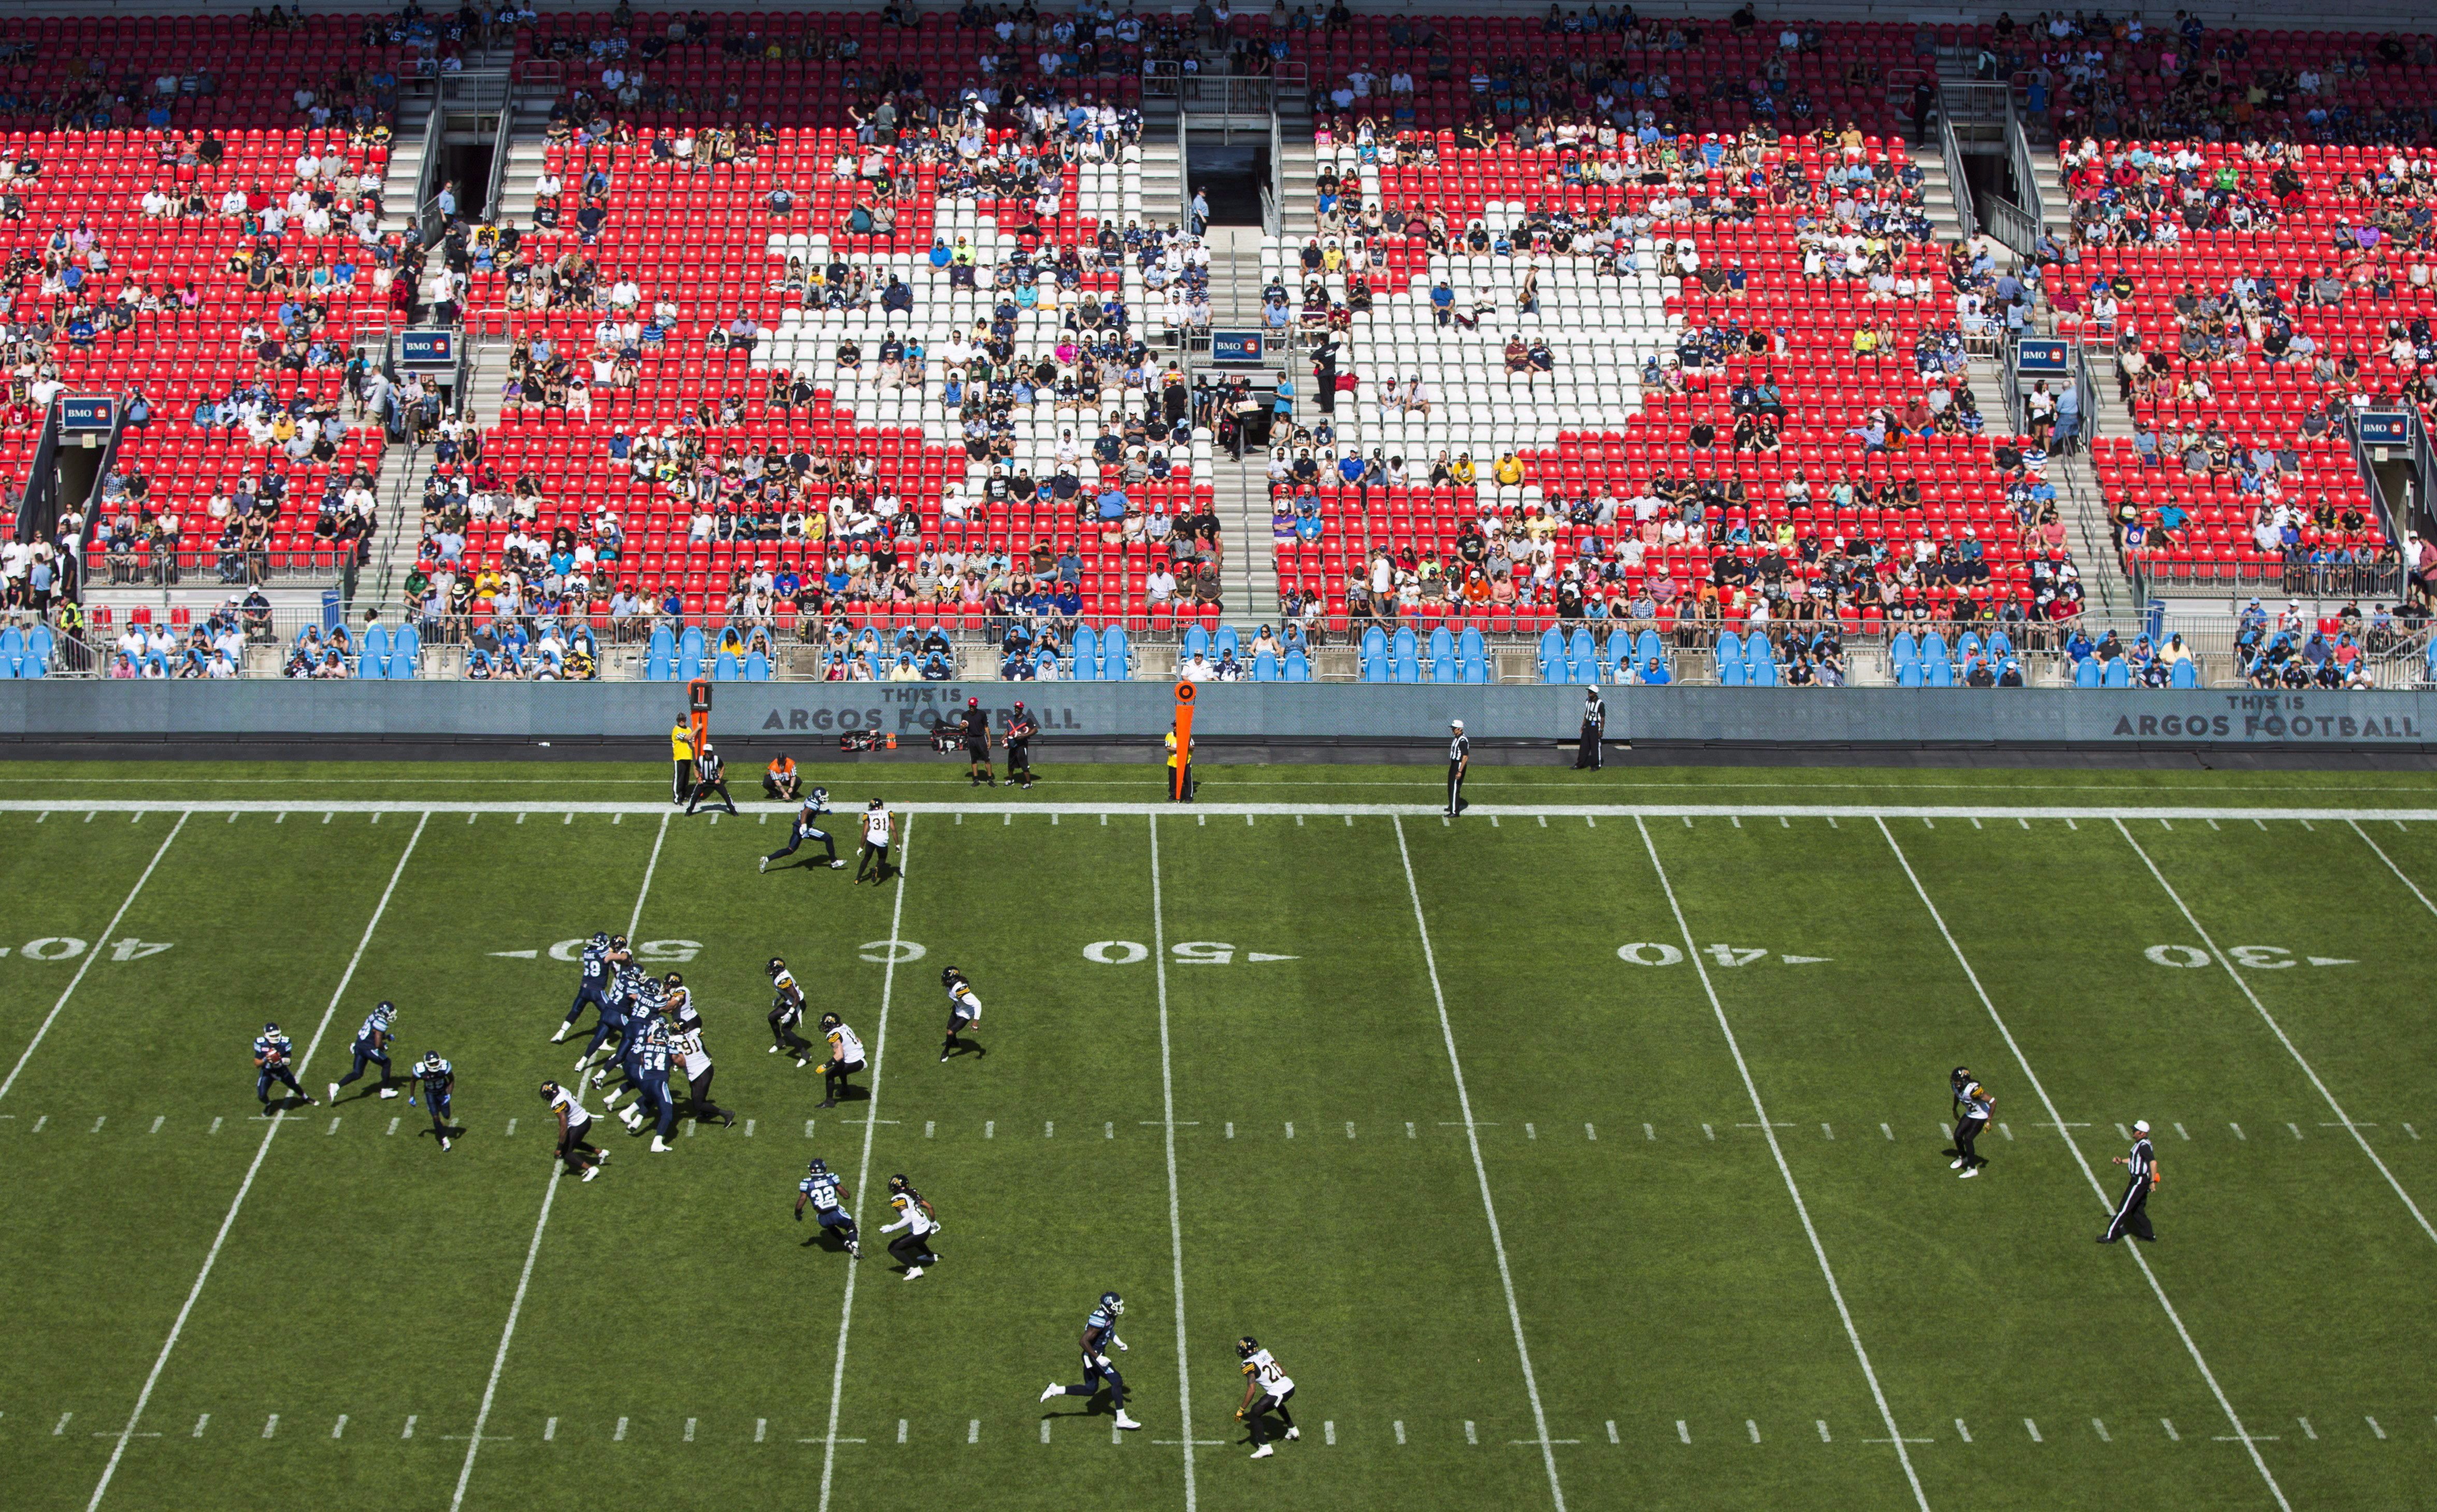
(863, 1170)
(2096, 1188)
(91, 955)
(211, 1257)
(2278, 1030)
(1959, 812)
(1802, 1210)
(532, 1251)
(1480, 1172)
(2380, 852)
(1175, 1223)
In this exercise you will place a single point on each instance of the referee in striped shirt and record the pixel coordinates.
(2133, 1208)
(1458, 759)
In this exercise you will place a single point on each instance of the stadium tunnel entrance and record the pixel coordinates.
(1231, 170)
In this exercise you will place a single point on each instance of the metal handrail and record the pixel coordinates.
(1966, 216)
(2026, 182)
(502, 138)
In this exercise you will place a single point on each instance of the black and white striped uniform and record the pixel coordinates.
(1459, 755)
(2133, 1208)
(1587, 757)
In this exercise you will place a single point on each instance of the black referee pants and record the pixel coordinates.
(2131, 1214)
(1456, 802)
(1587, 757)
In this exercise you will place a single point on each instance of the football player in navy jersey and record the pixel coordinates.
(272, 1054)
(806, 827)
(602, 955)
(821, 1189)
(437, 1079)
(1099, 1336)
(372, 1049)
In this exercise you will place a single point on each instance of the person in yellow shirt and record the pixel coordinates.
(1465, 473)
(682, 754)
(1180, 782)
(1509, 471)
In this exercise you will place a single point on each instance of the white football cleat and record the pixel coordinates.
(444, 1141)
(561, 1034)
(611, 1100)
(581, 1060)
(590, 1172)
(659, 1146)
(837, 866)
(913, 1271)
(772, 1050)
(387, 1092)
(1293, 1433)
(1124, 1422)
(1263, 1452)
(334, 1091)
(1956, 1164)
(765, 864)
(1969, 1174)
(1053, 1389)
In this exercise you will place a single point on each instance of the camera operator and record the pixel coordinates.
(973, 730)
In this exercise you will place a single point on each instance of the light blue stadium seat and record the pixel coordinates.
(1298, 668)
(1647, 647)
(1442, 666)
(1116, 655)
(1375, 669)
(1760, 662)
(373, 661)
(1407, 670)
(659, 668)
(757, 668)
(2184, 675)
(2119, 673)
(406, 654)
(1908, 674)
(1197, 640)
(725, 670)
(2086, 675)
(1442, 644)
(1730, 673)
(1087, 655)
(1403, 644)
(1730, 649)
(1937, 673)
(1476, 669)
(1469, 644)
(1224, 642)
(1265, 667)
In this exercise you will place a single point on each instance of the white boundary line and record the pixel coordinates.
(108, 929)
(1175, 1221)
(2278, 1030)
(1768, 1132)
(160, 1362)
(1480, 1172)
(2090, 1176)
(863, 1171)
(1137, 810)
(532, 1251)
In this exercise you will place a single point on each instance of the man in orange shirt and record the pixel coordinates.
(780, 781)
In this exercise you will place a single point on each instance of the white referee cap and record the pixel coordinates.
(1456, 723)
(2140, 1125)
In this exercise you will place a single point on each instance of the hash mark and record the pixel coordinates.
(1753, 1428)
(1889, 1131)
(1400, 1430)
(973, 1426)
(271, 1425)
(409, 1432)
(207, 1418)
(1611, 1433)
(61, 1426)
(2307, 1432)
(2102, 1431)
(339, 1428)
(2373, 1428)
(1590, 1132)
(1471, 1436)
(1961, 1431)
(688, 1428)
(2034, 1429)
(549, 1430)
(1822, 1424)
(157, 1122)
(2237, 1132)
(2169, 1424)
(1683, 1432)
(620, 1434)
(1329, 1428)
(901, 1422)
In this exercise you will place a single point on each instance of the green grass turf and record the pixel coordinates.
(1685, 1348)
(944, 781)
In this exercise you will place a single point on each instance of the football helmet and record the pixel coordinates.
(777, 965)
(1114, 1305)
(432, 1060)
(898, 1184)
(271, 1029)
(600, 937)
(818, 1168)
(1962, 1077)
(387, 1009)
(617, 941)
(674, 978)
(1247, 1346)
(549, 1090)
(820, 795)
(832, 1021)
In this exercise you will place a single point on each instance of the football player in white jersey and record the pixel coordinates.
(877, 824)
(1267, 1389)
(964, 1008)
(846, 1058)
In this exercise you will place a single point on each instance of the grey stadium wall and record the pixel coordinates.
(1237, 721)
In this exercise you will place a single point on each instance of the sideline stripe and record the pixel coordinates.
(1768, 1132)
(532, 1251)
(90, 956)
(2278, 1030)
(1480, 1171)
(212, 1257)
(863, 1171)
(2057, 1120)
(1373, 810)
(2380, 852)
(1175, 1224)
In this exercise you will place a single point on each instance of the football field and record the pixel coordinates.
(1587, 1151)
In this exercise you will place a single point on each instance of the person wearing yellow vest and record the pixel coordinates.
(681, 753)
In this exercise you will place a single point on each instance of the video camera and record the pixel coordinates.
(857, 741)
